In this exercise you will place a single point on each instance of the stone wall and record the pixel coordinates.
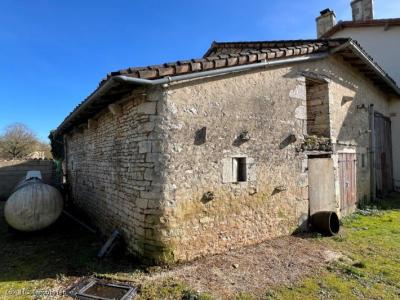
(350, 96)
(212, 215)
(202, 166)
(318, 109)
(270, 106)
(13, 171)
(113, 168)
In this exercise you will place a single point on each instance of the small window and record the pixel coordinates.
(363, 165)
(239, 169)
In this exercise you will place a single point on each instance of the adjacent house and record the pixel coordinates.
(199, 156)
(381, 39)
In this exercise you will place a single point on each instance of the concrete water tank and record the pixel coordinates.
(34, 205)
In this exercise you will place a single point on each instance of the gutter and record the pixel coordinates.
(219, 72)
(350, 44)
(117, 80)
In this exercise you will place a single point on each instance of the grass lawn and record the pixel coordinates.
(370, 268)
(52, 260)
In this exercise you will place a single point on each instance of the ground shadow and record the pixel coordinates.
(390, 202)
(64, 249)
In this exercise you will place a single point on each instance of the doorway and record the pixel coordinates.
(348, 182)
(383, 155)
(321, 185)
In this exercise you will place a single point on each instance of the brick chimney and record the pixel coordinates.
(363, 10)
(325, 22)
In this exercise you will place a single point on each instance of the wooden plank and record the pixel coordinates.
(347, 181)
(383, 155)
(321, 185)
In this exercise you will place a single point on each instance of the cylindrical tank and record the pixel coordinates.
(33, 206)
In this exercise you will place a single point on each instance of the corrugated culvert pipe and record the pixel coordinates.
(326, 223)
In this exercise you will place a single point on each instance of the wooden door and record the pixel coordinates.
(383, 155)
(321, 185)
(348, 182)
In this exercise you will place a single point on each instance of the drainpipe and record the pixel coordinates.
(219, 72)
(65, 176)
(372, 152)
(65, 179)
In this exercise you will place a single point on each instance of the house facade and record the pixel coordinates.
(381, 39)
(198, 157)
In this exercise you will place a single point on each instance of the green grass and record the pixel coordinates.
(371, 267)
(53, 259)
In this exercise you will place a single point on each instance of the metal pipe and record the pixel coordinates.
(372, 152)
(79, 222)
(219, 72)
(115, 80)
(341, 47)
(65, 175)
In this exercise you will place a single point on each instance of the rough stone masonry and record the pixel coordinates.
(200, 167)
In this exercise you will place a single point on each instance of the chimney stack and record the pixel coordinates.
(363, 10)
(325, 22)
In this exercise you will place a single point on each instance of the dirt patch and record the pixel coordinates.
(254, 268)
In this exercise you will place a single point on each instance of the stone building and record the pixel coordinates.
(196, 157)
(381, 39)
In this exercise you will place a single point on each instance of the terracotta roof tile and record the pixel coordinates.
(229, 54)
(220, 55)
(195, 66)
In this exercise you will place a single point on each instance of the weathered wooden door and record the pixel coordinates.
(348, 181)
(383, 155)
(321, 185)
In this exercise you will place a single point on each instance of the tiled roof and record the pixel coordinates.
(226, 48)
(232, 54)
(360, 24)
(224, 55)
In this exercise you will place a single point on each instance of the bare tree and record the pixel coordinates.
(17, 141)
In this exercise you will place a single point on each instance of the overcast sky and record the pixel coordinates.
(54, 53)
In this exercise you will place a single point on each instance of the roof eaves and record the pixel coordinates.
(221, 62)
(202, 67)
(354, 24)
(369, 61)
